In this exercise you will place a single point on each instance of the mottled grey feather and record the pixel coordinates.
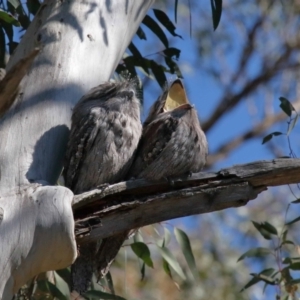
(172, 144)
(104, 135)
(105, 132)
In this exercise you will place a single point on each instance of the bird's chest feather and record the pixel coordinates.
(121, 133)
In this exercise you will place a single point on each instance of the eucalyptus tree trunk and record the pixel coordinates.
(81, 43)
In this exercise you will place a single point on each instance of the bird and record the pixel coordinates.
(105, 132)
(172, 144)
(104, 135)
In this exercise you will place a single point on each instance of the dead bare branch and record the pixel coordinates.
(231, 99)
(126, 205)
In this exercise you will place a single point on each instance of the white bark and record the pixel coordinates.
(81, 43)
(34, 239)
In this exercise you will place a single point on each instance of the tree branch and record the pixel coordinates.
(126, 205)
(230, 99)
(225, 149)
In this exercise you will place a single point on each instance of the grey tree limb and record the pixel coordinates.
(136, 203)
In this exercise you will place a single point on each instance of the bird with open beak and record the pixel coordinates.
(172, 144)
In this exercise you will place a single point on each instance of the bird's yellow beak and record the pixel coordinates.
(176, 96)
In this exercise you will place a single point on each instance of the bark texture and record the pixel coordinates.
(136, 203)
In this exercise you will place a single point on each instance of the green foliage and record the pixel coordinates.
(8, 18)
(172, 262)
(216, 7)
(265, 275)
(279, 276)
(142, 251)
(270, 136)
(165, 21)
(288, 109)
(265, 229)
(286, 106)
(255, 252)
(47, 287)
(185, 245)
(153, 26)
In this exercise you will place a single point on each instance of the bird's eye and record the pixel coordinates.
(130, 94)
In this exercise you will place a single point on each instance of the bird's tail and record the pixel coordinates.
(108, 250)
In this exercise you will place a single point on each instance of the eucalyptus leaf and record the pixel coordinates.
(265, 229)
(286, 106)
(185, 245)
(138, 237)
(158, 73)
(170, 52)
(174, 69)
(175, 10)
(142, 251)
(167, 236)
(14, 3)
(171, 260)
(269, 136)
(167, 269)
(33, 6)
(153, 26)
(143, 271)
(255, 252)
(294, 266)
(8, 18)
(55, 292)
(262, 276)
(110, 283)
(65, 274)
(141, 34)
(216, 7)
(62, 285)
(166, 22)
